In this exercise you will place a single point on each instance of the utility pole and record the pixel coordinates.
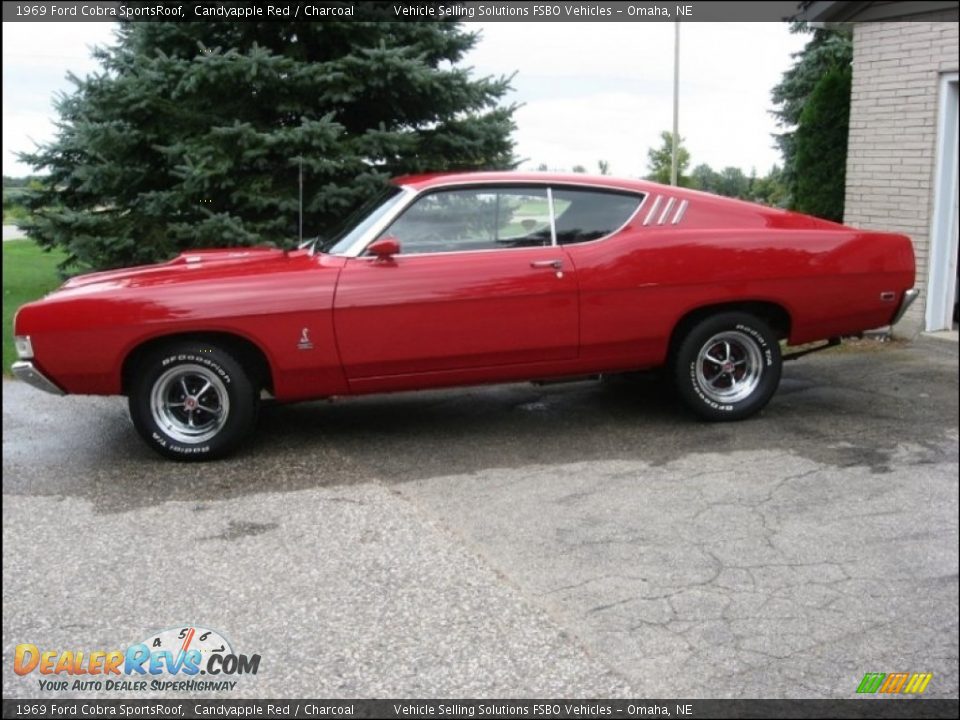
(676, 103)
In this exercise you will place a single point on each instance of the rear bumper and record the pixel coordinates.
(27, 371)
(908, 297)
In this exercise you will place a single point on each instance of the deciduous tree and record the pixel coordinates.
(659, 160)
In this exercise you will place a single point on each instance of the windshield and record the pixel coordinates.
(358, 222)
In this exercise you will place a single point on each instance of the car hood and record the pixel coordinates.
(188, 267)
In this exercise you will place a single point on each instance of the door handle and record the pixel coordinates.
(555, 264)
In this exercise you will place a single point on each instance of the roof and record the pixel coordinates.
(704, 200)
(430, 180)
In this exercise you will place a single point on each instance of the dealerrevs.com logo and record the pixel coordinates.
(173, 659)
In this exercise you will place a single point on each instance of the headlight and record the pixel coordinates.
(24, 346)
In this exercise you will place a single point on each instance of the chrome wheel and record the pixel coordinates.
(729, 366)
(190, 403)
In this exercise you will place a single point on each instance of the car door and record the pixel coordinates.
(478, 283)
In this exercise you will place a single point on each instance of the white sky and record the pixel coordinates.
(589, 91)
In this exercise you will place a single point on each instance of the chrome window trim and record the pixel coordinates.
(640, 205)
(357, 249)
(653, 210)
(410, 256)
(666, 210)
(680, 212)
(371, 234)
(553, 217)
(535, 183)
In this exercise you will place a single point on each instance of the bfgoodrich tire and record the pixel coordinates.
(728, 366)
(193, 401)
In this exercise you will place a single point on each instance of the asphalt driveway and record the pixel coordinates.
(588, 539)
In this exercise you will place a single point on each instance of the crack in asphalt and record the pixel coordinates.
(654, 554)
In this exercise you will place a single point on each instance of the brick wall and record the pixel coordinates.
(893, 133)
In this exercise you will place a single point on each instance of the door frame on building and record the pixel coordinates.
(942, 258)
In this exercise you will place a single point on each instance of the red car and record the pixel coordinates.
(461, 279)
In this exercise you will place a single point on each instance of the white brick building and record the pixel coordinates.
(902, 150)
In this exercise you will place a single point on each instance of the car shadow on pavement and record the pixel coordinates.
(844, 410)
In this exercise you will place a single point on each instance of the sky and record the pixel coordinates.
(587, 91)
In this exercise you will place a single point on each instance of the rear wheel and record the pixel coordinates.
(193, 401)
(728, 366)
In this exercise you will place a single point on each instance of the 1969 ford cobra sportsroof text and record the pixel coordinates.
(460, 279)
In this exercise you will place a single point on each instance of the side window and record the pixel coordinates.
(584, 215)
(474, 219)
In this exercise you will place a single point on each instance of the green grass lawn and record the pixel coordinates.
(28, 273)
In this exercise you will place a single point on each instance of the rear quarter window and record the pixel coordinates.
(584, 215)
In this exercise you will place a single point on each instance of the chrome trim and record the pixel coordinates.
(653, 210)
(680, 211)
(368, 237)
(24, 347)
(555, 264)
(27, 371)
(643, 201)
(176, 407)
(541, 183)
(355, 251)
(410, 256)
(644, 196)
(908, 297)
(553, 217)
(666, 211)
(741, 354)
(642, 204)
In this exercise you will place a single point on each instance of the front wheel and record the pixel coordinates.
(728, 366)
(192, 401)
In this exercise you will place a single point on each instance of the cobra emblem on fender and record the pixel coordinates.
(305, 343)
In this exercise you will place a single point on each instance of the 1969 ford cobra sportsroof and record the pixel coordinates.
(461, 279)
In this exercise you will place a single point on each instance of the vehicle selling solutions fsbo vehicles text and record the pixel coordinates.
(540, 11)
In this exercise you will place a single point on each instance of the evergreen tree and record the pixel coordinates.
(659, 160)
(826, 50)
(194, 134)
(821, 147)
